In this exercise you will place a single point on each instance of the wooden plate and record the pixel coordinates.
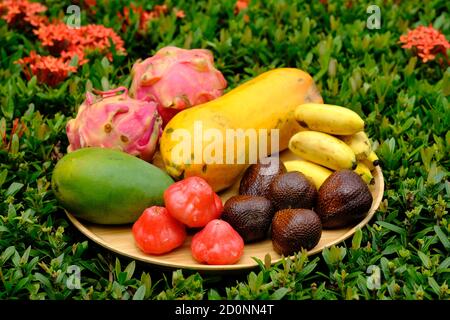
(120, 239)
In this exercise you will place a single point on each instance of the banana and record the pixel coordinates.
(316, 173)
(371, 161)
(364, 172)
(323, 149)
(360, 144)
(328, 118)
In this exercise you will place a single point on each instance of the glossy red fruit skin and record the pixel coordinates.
(217, 244)
(157, 232)
(193, 202)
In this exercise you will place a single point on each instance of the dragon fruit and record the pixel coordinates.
(177, 79)
(116, 121)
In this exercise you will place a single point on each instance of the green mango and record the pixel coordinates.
(106, 186)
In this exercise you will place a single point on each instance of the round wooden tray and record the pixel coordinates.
(120, 239)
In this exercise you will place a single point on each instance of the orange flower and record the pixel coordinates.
(241, 5)
(63, 42)
(97, 38)
(179, 13)
(66, 42)
(22, 14)
(143, 16)
(47, 69)
(160, 10)
(427, 42)
(55, 36)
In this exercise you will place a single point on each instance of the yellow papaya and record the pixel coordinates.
(199, 141)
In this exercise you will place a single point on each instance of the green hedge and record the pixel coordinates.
(404, 101)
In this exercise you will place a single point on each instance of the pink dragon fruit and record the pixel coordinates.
(116, 121)
(177, 79)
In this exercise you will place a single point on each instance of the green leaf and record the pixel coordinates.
(122, 278)
(7, 254)
(3, 176)
(309, 268)
(435, 174)
(117, 268)
(105, 84)
(42, 279)
(392, 227)
(11, 211)
(140, 293)
(434, 285)
(252, 282)
(14, 149)
(147, 281)
(425, 259)
(444, 265)
(442, 237)
(21, 284)
(267, 261)
(279, 294)
(14, 188)
(334, 254)
(16, 259)
(357, 237)
(8, 107)
(25, 256)
(213, 295)
(130, 269)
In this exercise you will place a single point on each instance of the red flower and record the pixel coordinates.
(66, 42)
(90, 5)
(55, 37)
(160, 10)
(63, 42)
(241, 5)
(179, 13)
(47, 69)
(21, 13)
(97, 38)
(427, 42)
(143, 16)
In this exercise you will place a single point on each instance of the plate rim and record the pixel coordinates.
(204, 267)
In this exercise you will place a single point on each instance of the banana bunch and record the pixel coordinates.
(333, 139)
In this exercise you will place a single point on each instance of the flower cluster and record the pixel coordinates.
(47, 69)
(145, 16)
(427, 42)
(22, 14)
(61, 41)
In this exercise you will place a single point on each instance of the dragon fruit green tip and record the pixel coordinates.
(111, 119)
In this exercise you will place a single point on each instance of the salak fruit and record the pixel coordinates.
(177, 79)
(116, 121)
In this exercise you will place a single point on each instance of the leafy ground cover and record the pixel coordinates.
(404, 100)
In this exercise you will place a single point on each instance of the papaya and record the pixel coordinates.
(265, 102)
(107, 186)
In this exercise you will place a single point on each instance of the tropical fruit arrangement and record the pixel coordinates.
(110, 174)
